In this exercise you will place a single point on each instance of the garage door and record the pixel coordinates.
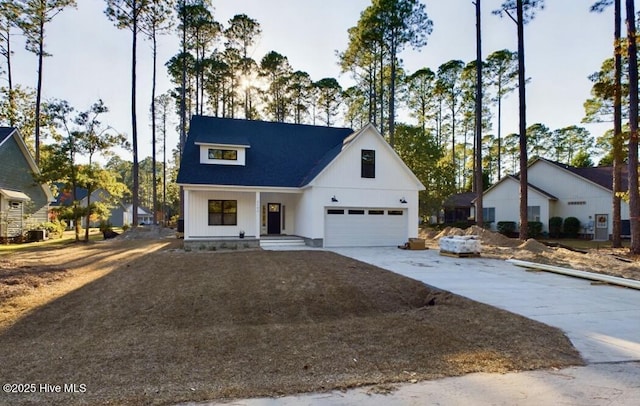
(357, 227)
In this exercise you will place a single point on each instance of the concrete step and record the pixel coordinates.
(282, 242)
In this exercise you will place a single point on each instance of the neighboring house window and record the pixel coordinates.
(533, 213)
(489, 214)
(223, 212)
(223, 154)
(368, 158)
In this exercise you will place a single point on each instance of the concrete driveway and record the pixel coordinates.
(603, 323)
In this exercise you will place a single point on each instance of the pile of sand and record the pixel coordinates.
(487, 237)
(534, 246)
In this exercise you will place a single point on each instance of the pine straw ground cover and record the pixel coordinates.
(140, 325)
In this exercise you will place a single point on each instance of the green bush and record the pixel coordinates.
(506, 227)
(55, 227)
(534, 229)
(571, 227)
(105, 225)
(555, 227)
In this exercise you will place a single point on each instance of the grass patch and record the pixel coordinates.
(177, 326)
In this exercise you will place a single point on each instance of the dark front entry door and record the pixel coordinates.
(273, 218)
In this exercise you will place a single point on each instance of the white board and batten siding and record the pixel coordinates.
(197, 214)
(342, 179)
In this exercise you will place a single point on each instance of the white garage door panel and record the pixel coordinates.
(365, 230)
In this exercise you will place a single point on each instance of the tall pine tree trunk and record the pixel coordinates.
(134, 121)
(154, 205)
(39, 87)
(617, 131)
(499, 128)
(392, 94)
(524, 221)
(479, 187)
(634, 209)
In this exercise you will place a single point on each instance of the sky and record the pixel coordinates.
(91, 58)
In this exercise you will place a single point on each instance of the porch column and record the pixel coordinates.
(258, 214)
(186, 215)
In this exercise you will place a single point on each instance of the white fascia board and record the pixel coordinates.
(210, 144)
(231, 188)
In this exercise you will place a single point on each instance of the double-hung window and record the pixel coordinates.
(223, 212)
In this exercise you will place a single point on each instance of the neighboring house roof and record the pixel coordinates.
(7, 133)
(277, 154)
(517, 179)
(141, 210)
(460, 200)
(65, 197)
(600, 175)
(14, 195)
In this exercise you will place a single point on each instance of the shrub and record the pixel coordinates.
(571, 227)
(555, 227)
(55, 227)
(105, 225)
(534, 229)
(125, 227)
(506, 227)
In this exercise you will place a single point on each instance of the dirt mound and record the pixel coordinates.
(448, 232)
(487, 237)
(533, 246)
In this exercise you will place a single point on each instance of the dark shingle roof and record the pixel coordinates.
(279, 154)
(460, 200)
(5, 132)
(600, 175)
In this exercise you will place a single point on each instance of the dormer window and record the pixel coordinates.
(223, 154)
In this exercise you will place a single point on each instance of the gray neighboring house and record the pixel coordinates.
(24, 203)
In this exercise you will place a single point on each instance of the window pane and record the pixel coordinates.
(215, 219)
(230, 206)
(215, 206)
(230, 155)
(395, 212)
(356, 211)
(230, 219)
(335, 211)
(533, 213)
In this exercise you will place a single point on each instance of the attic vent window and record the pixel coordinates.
(368, 160)
(223, 154)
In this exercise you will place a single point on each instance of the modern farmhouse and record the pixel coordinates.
(330, 186)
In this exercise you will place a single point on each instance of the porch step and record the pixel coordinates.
(281, 242)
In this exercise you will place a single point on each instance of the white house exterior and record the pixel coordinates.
(264, 179)
(557, 190)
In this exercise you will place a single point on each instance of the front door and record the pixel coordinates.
(273, 218)
(602, 227)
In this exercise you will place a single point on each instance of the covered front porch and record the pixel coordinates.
(234, 217)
